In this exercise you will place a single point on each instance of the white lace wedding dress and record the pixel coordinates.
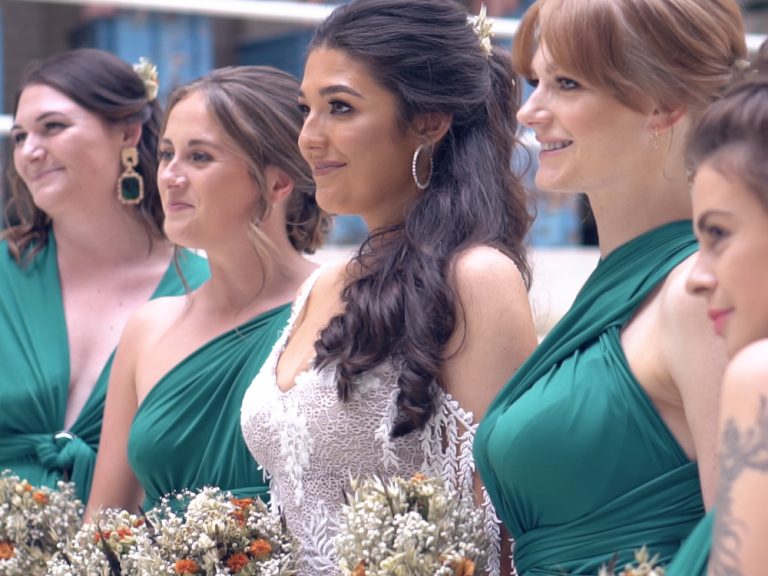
(310, 444)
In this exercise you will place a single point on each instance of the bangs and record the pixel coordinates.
(586, 38)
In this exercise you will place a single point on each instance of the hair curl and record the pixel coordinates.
(401, 304)
(106, 86)
(256, 108)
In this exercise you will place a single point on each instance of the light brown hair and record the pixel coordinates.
(256, 107)
(648, 53)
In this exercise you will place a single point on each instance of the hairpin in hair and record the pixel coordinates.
(482, 27)
(148, 73)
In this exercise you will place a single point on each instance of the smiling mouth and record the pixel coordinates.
(323, 169)
(552, 146)
(44, 173)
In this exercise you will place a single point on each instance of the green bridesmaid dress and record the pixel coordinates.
(186, 432)
(576, 459)
(34, 371)
(693, 557)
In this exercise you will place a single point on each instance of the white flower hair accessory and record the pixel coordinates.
(148, 73)
(483, 28)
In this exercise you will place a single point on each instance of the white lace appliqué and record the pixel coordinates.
(310, 444)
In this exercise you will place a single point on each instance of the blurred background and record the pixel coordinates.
(186, 38)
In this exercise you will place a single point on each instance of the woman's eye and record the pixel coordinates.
(18, 138)
(567, 83)
(200, 157)
(304, 109)
(165, 155)
(715, 234)
(53, 126)
(339, 107)
(532, 82)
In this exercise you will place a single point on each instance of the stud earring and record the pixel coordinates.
(130, 184)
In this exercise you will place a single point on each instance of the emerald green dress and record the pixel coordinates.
(35, 372)
(186, 432)
(575, 457)
(693, 557)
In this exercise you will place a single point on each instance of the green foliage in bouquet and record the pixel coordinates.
(416, 527)
(33, 522)
(645, 565)
(205, 533)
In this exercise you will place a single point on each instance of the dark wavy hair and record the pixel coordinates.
(106, 86)
(256, 107)
(732, 135)
(401, 303)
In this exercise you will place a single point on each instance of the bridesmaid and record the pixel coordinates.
(232, 183)
(604, 440)
(730, 201)
(83, 249)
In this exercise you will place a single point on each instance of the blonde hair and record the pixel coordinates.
(648, 53)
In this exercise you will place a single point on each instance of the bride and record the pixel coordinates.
(389, 361)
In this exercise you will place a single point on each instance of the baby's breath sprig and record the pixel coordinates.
(419, 527)
(205, 533)
(33, 523)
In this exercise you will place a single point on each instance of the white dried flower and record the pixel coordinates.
(416, 527)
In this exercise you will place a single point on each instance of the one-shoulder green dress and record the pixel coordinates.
(576, 459)
(35, 372)
(186, 432)
(693, 557)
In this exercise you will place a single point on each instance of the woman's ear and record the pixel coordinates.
(664, 120)
(131, 134)
(279, 184)
(432, 126)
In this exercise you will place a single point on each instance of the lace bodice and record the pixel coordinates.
(310, 444)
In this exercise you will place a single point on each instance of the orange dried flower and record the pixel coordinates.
(359, 569)
(123, 532)
(242, 502)
(237, 562)
(99, 535)
(260, 548)
(465, 567)
(239, 516)
(6, 550)
(186, 567)
(419, 477)
(40, 497)
(138, 522)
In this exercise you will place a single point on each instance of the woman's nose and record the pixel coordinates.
(701, 279)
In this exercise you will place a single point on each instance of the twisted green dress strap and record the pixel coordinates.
(35, 371)
(573, 453)
(186, 433)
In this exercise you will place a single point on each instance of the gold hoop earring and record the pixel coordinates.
(130, 184)
(415, 172)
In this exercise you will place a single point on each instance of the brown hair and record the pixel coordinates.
(647, 53)
(401, 304)
(732, 135)
(256, 107)
(108, 87)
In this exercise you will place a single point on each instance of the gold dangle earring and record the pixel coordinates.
(130, 185)
(655, 137)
